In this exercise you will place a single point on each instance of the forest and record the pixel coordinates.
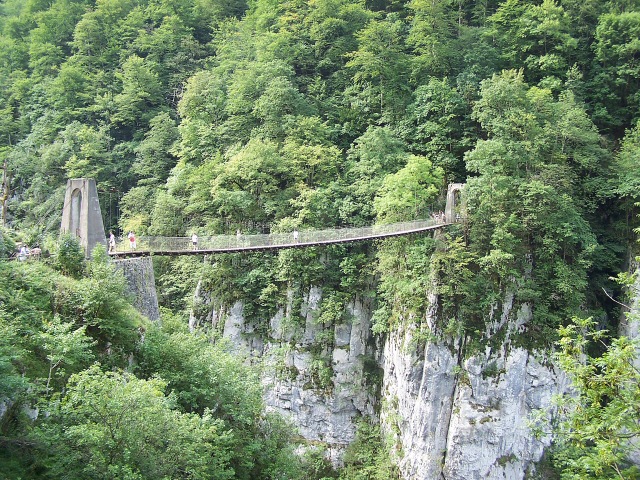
(213, 116)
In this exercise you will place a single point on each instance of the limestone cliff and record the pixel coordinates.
(451, 417)
(464, 419)
(319, 375)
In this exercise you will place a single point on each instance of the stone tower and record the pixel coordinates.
(81, 214)
(450, 209)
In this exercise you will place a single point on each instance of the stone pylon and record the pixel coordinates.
(450, 209)
(81, 214)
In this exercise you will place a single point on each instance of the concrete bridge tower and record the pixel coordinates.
(81, 214)
(450, 209)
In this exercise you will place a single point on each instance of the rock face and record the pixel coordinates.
(464, 419)
(451, 417)
(141, 284)
(318, 375)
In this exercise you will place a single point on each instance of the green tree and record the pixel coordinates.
(65, 346)
(247, 84)
(534, 37)
(91, 156)
(154, 158)
(141, 93)
(207, 378)
(166, 218)
(254, 184)
(332, 28)
(539, 160)
(375, 154)
(202, 109)
(94, 40)
(71, 91)
(598, 423)
(380, 69)
(367, 458)
(409, 192)
(279, 105)
(112, 425)
(308, 147)
(70, 256)
(99, 302)
(615, 84)
(627, 181)
(435, 125)
(170, 46)
(433, 36)
(12, 383)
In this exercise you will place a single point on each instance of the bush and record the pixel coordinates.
(70, 259)
(7, 245)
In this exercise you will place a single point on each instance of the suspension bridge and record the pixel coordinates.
(172, 246)
(81, 217)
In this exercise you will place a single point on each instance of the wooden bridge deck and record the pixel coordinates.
(173, 246)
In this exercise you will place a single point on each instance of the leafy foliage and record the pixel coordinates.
(598, 427)
(114, 425)
(70, 258)
(205, 419)
(208, 380)
(367, 457)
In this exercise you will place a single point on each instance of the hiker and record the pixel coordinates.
(194, 241)
(295, 235)
(112, 241)
(132, 240)
(24, 252)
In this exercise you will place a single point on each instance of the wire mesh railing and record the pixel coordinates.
(229, 243)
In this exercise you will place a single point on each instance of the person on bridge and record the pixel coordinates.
(112, 242)
(295, 235)
(132, 240)
(194, 241)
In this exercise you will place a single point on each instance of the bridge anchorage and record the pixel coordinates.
(81, 214)
(81, 208)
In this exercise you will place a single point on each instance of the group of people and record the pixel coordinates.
(25, 252)
(438, 216)
(194, 240)
(112, 241)
(133, 245)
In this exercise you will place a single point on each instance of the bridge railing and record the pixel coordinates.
(275, 240)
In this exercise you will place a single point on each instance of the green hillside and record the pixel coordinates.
(211, 116)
